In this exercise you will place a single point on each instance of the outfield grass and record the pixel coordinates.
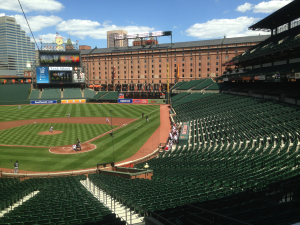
(11, 113)
(127, 140)
(28, 134)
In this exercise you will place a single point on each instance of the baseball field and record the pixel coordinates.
(24, 134)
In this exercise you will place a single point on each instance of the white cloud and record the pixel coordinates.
(174, 27)
(217, 28)
(37, 22)
(227, 11)
(2, 14)
(95, 30)
(244, 8)
(270, 6)
(31, 5)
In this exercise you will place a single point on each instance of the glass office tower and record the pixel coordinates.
(15, 47)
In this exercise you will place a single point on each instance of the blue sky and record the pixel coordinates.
(88, 20)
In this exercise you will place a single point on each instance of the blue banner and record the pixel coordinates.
(124, 100)
(42, 75)
(43, 102)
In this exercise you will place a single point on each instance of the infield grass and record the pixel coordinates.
(127, 140)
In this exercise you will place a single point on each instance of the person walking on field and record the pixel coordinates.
(147, 119)
(19, 107)
(16, 165)
(68, 115)
(142, 115)
(107, 120)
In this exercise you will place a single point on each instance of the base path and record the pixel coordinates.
(159, 136)
(87, 120)
(68, 149)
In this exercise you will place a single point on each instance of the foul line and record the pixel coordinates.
(26, 146)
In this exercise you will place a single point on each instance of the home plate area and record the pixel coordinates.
(67, 149)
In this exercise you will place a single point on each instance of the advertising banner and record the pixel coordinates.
(43, 102)
(121, 96)
(140, 101)
(59, 59)
(125, 101)
(73, 101)
(42, 75)
(60, 76)
(156, 101)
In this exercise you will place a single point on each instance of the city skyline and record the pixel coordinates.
(188, 20)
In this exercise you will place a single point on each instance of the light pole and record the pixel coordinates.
(113, 140)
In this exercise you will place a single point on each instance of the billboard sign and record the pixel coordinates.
(36, 102)
(140, 101)
(156, 101)
(73, 101)
(129, 101)
(78, 75)
(143, 35)
(42, 75)
(121, 96)
(61, 68)
(59, 59)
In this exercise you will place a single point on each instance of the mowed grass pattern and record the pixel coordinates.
(127, 140)
(11, 113)
(27, 135)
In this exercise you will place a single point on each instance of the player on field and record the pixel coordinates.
(16, 165)
(68, 115)
(51, 129)
(107, 120)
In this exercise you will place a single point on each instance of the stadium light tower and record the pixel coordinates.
(113, 140)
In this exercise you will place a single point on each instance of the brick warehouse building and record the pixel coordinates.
(145, 67)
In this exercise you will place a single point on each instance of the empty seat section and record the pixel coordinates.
(72, 93)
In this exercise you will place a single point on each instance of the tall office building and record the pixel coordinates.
(118, 43)
(16, 48)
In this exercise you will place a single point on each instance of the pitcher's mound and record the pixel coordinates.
(51, 133)
(67, 149)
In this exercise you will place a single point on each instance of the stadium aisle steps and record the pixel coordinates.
(20, 202)
(119, 209)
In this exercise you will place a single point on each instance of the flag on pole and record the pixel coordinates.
(57, 33)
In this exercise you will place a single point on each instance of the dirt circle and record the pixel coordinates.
(50, 133)
(67, 149)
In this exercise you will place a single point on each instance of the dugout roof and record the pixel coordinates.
(282, 16)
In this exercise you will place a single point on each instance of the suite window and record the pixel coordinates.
(159, 71)
(191, 70)
(207, 69)
(118, 62)
(93, 63)
(138, 61)
(175, 70)
(124, 62)
(217, 69)
(118, 67)
(125, 73)
(138, 71)
(217, 57)
(111, 62)
(182, 75)
(145, 61)
(159, 66)
(236, 50)
(138, 76)
(226, 51)
(118, 72)
(217, 63)
(152, 57)
(182, 53)
(207, 52)
(159, 55)
(167, 60)
(93, 68)
(93, 73)
(199, 64)
(167, 55)
(208, 63)
(99, 73)
(191, 64)
(208, 58)
(131, 76)
(160, 60)
(145, 71)
(191, 75)
(182, 59)
(118, 77)
(175, 54)
(125, 82)
(152, 66)
(131, 81)
(152, 75)
(208, 75)
(182, 64)
(124, 67)
(131, 73)
(145, 66)
(105, 77)
(131, 62)
(145, 57)
(105, 73)
(174, 60)
(160, 81)
(152, 71)
(105, 63)
(226, 57)
(159, 76)
(145, 77)
(199, 75)
(105, 67)
(99, 64)
(182, 70)
(217, 74)
(138, 67)
(152, 61)
(217, 52)
(199, 69)
(131, 67)
(131, 57)
(199, 58)
(199, 53)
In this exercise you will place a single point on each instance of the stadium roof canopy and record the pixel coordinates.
(282, 16)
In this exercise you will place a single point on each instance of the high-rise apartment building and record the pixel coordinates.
(16, 47)
(118, 43)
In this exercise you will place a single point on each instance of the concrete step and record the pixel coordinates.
(20, 202)
(123, 212)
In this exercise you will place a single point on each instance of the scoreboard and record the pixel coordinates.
(60, 68)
